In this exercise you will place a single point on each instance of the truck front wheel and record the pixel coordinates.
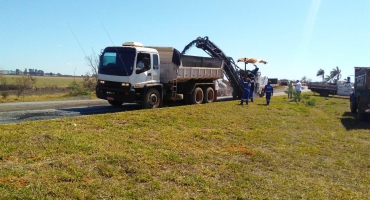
(152, 99)
(209, 95)
(197, 96)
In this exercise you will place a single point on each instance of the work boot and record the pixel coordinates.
(241, 103)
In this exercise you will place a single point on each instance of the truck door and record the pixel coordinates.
(143, 67)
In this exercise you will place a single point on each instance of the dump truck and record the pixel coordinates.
(342, 88)
(360, 97)
(150, 75)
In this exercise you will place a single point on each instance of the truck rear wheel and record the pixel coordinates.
(353, 107)
(152, 99)
(115, 103)
(197, 96)
(209, 95)
(324, 93)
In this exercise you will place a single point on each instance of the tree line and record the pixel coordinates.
(334, 76)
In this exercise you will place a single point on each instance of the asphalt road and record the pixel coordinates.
(29, 111)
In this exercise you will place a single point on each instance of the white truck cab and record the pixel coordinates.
(344, 88)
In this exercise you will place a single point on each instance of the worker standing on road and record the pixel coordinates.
(269, 91)
(246, 91)
(251, 93)
(298, 89)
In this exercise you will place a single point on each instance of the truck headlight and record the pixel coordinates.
(125, 84)
(101, 81)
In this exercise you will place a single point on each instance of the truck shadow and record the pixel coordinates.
(102, 109)
(349, 121)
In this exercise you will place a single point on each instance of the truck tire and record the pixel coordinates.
(362, 116)
(353, 107)
(115, 103)
(324, 93)
(209, 95)
(197, 96)
(152, 99)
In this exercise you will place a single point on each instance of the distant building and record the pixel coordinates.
(10, 72)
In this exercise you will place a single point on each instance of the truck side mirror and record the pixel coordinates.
(348, 79)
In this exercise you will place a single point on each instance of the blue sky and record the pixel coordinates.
(296, 37)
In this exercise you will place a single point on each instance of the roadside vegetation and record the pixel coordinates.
(25, 88)
(287, 150)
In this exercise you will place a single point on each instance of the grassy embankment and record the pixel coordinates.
(210, 151)
(46, 88)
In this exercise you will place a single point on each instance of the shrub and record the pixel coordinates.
(77, 90)
(24, 82)
(311, 102)
(89, 82)
(4, 94)
(306, 96)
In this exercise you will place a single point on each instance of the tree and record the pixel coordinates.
(304, 79)
(321, 73)
(93, 62)
(327, 78)
(24, 82)
(335, 74)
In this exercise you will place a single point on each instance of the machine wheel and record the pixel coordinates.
(235, 95)
(152, 99)
(353, 107)
(262, 93)
(209, 95)
(115, 103)
(197, 96)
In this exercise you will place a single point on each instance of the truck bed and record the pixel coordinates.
(323, 88)
(192, 67)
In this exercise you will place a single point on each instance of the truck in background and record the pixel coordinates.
(360, 97)
(149, 75)
(343, 88)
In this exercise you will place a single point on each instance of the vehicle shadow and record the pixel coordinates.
(332, 96)
(349, 121)
(102, 109)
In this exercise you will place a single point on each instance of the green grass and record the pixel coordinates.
(211, 151)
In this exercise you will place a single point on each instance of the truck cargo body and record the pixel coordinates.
(342, 88)
(360, 98)
(165, 74)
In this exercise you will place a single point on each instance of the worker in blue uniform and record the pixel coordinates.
(246, 91)
(269, 91)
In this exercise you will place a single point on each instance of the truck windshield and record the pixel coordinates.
(117, 61)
